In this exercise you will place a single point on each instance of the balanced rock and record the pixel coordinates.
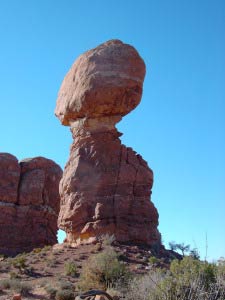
(105, 81)
(29, 203)
(106, 187)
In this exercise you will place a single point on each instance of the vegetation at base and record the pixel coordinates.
(64, 295)
(65, 291)
(51, 291)
(19, 262)
(107, 239)
(16, 285)
(187, 279)
(164, 278)
(153, 260)
(70, 268)
(102, 270)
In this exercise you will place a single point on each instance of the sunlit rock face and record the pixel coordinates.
(29, 203)
(106, 187)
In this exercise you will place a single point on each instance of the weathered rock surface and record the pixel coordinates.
(105, 81)
(106, 187)
(29, 203)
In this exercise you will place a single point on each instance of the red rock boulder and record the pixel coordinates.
(105, 81)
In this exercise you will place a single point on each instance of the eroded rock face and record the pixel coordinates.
(29, 203)
(106, 187)
(105, 81)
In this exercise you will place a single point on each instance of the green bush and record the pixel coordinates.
(188, 279)
(5, 284)
(70, 268)
(47, 248)
(66, 285)
(51, 291)
(189, 269)
(13, 275)
(153, 260)
(37, 250)
(208, 274)
(19, 262)
(107, 239)
(220, 270)
(21, 287)
(102, 270)
(185, 269)
(64, 295)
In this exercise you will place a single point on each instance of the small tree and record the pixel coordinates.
(173, 246)
(194, 253)
(183, 248)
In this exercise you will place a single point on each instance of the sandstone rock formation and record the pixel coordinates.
(29, 203)
(106, 187)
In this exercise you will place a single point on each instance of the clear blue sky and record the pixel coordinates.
(179, 127)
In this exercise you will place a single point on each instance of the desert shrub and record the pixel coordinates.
(47, 248)
(19, 262)
(64, 295)
(51, 262)
(37, 250)
(5, 284)
(194, 253)
(144, 287)
(21, 287)
(102, 270)
(185, 269)
(51, 291)
(66, 285)
(13, 275)
(114, 292)
(188, 279)
(107, 239)
(220, 270)
(153, 260)
(208, 274)
(70, 268)
(189, 269)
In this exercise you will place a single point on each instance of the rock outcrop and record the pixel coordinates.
(106, 187)
(29, 203)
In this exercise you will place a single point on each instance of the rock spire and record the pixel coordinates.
(106, 187)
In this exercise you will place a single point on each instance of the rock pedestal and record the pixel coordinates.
(106, 187)
(29, 203)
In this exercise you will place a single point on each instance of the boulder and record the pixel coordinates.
(105, 81)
